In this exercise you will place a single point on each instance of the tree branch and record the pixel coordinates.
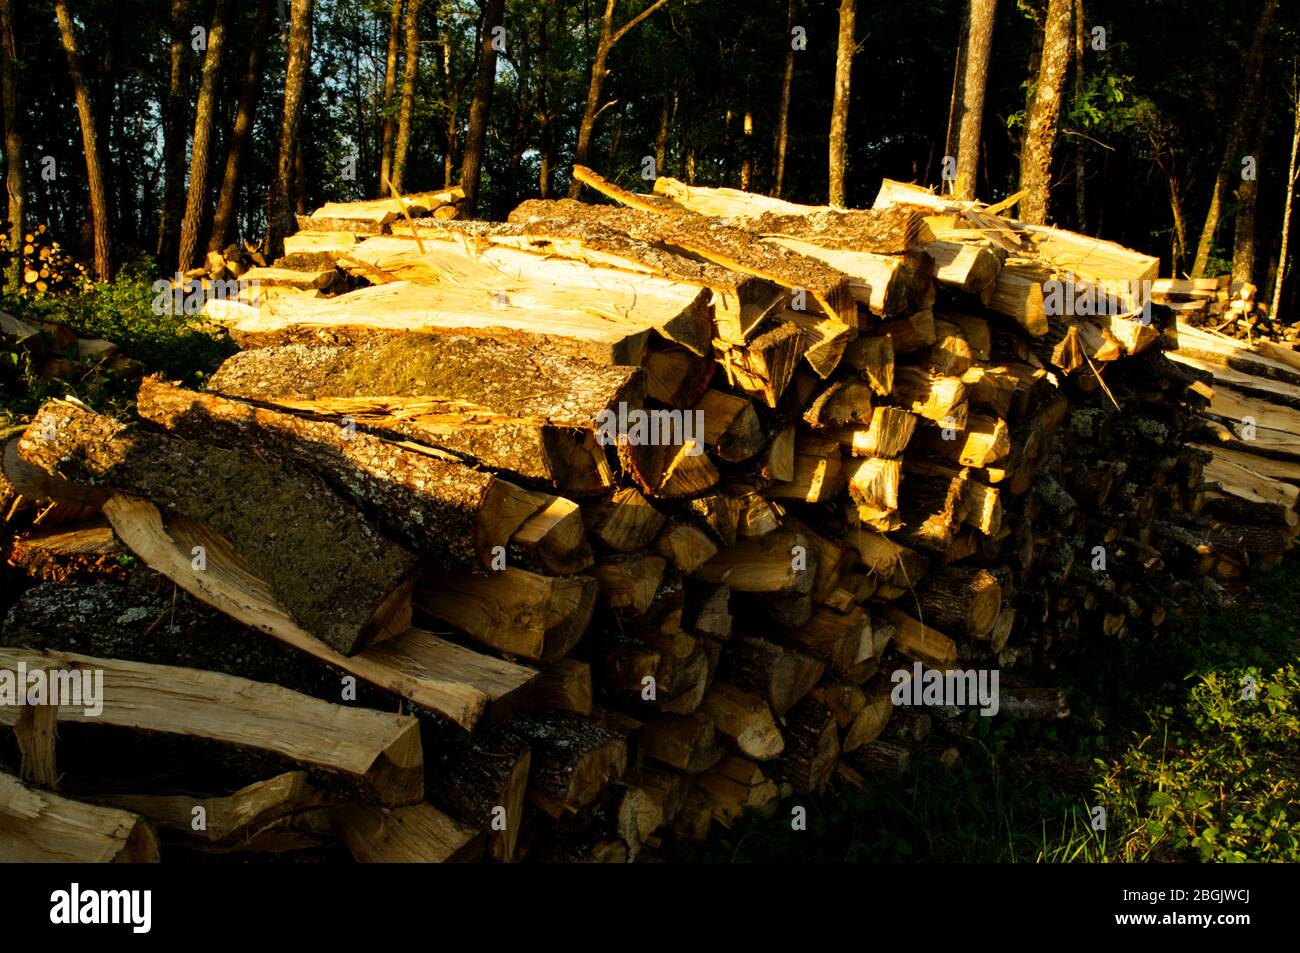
(631, 24)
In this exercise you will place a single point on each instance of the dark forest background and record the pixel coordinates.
(1147, 124)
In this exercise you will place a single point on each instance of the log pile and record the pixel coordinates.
(633, 509)
(1224, 306)
(47, 268)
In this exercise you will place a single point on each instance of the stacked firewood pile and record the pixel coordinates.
(568, 537)
(46, 267)
(1225, 307)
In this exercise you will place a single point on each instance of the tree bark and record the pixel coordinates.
(1044, 114)
(484, 82)
(975, 78)
(1231, 162)
(1286, 215)
(244, 116)
(280, 215)
(13, 142)
(412, 56)
(608, 38)
(175, 135)
(90, 143)
(783, 119)
(390, 87)
(1080, 194)
(840, 108)
(196, 199)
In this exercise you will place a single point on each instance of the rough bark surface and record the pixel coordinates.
(328, 567)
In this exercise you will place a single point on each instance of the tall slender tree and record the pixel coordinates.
(13, 141)
(99, 211)
(782, 139)
(1292, 175)
(390, 88)
(279, 213)
(196, 199)
(609, 37)
(844, 50)
(1043, 117)
(481, 105)
(1230, 165)
(400, 149)
(223, 218)
(175, 134)
(979, 45)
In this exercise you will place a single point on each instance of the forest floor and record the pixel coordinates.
(1161, 737)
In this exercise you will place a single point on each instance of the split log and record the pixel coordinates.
(574, 759)
(420, 834)
(744, 719)
(40, 827)
(513, 611)
(439, 675)
(482, 780)
(457, 515)
(372, 754)
(780, 675)
(328, 566)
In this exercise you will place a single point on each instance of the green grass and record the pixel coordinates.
(121, 312)
(1185, 767)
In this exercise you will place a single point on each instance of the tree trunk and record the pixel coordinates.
(979, 44)
(1231, 162)
(175, 135)
(13, 142)
(747, 152)
(1080, 195)
(244, 115)
(1286, 215)
(783, 119)
(390, 87)
(412, 56)
(950, 140)
(1243, 245)
(196, 199)
(280, 216)
(479, 107)
(608, 38)
(661, 137)
(90, 144)
(840, 107)
(1044, 112)
(453, 125)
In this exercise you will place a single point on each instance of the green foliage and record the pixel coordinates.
(121, 312)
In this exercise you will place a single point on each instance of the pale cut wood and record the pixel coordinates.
(439, 675)
(41, 827)
(512, 610)
(374, 753)
(921, 642)
(501, 274)
(600, 326)
(230, 819)
(745, 720)
(769, 563)
(420, 834)
(383, 211)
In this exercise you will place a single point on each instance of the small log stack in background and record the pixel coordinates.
(402, 496)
